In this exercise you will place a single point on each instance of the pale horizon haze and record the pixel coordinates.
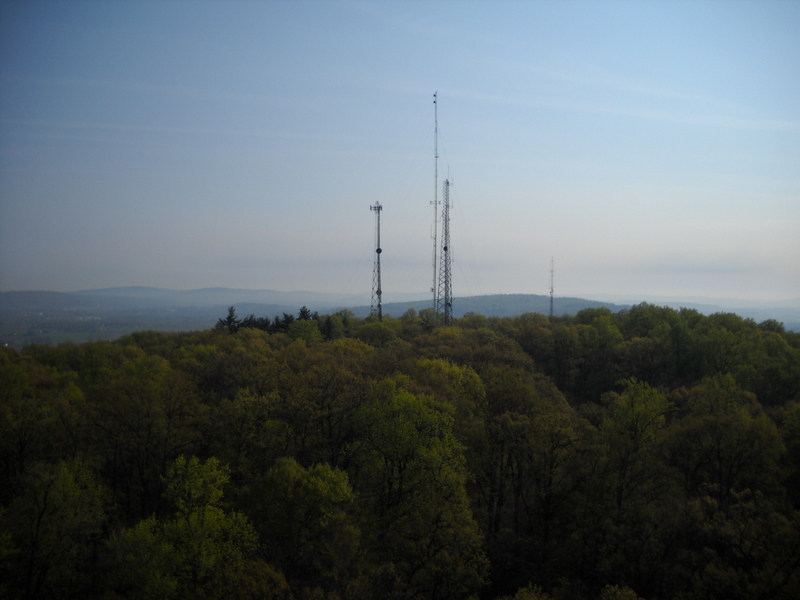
(650, 149)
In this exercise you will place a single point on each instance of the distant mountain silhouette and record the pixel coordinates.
(499, 305)
(136, 298)
(53, 317)
(139, 298)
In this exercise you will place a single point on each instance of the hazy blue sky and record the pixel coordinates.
(651, 148)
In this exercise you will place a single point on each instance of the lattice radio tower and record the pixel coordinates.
(377, 304)
(434, 287)
(444, 307)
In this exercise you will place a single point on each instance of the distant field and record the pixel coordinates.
(55, 327)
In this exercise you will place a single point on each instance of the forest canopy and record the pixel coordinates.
(652, 453)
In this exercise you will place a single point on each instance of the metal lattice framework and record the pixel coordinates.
(444, 296)
(377, 303)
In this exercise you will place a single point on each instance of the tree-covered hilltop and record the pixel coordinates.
(651, 453)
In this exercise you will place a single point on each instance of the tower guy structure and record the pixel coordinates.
(444, 304)
(377, 303)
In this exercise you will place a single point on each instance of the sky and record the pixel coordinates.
(649, 149)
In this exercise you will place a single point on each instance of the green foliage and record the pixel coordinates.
(378, 333)
(637, 415)
(615, 592)
(726, 442)
(192, 553)
(531, 592)
(145, 415)
(741, 549)
(146, 562)
(630, 435)
(585, 457)
(245, 435)
(412, 467)
(194, 487)
(302, 520)
(51, 532)
(306, 330)
(790, 431)
(231, 322)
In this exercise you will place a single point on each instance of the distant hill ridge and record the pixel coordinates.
(138, 298)
(502, 305)
(149, 297)
(271, 302)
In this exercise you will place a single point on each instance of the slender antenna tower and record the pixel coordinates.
(435, 202)
(445, 295)
(377, 304)
(551, 287)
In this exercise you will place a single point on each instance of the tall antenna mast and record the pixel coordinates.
(445, 295)
(551, 287)
(377, 304)
(435, 202)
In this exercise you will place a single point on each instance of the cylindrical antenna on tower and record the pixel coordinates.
(377, 292)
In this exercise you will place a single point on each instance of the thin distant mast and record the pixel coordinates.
(551, 287)
(434, 287)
